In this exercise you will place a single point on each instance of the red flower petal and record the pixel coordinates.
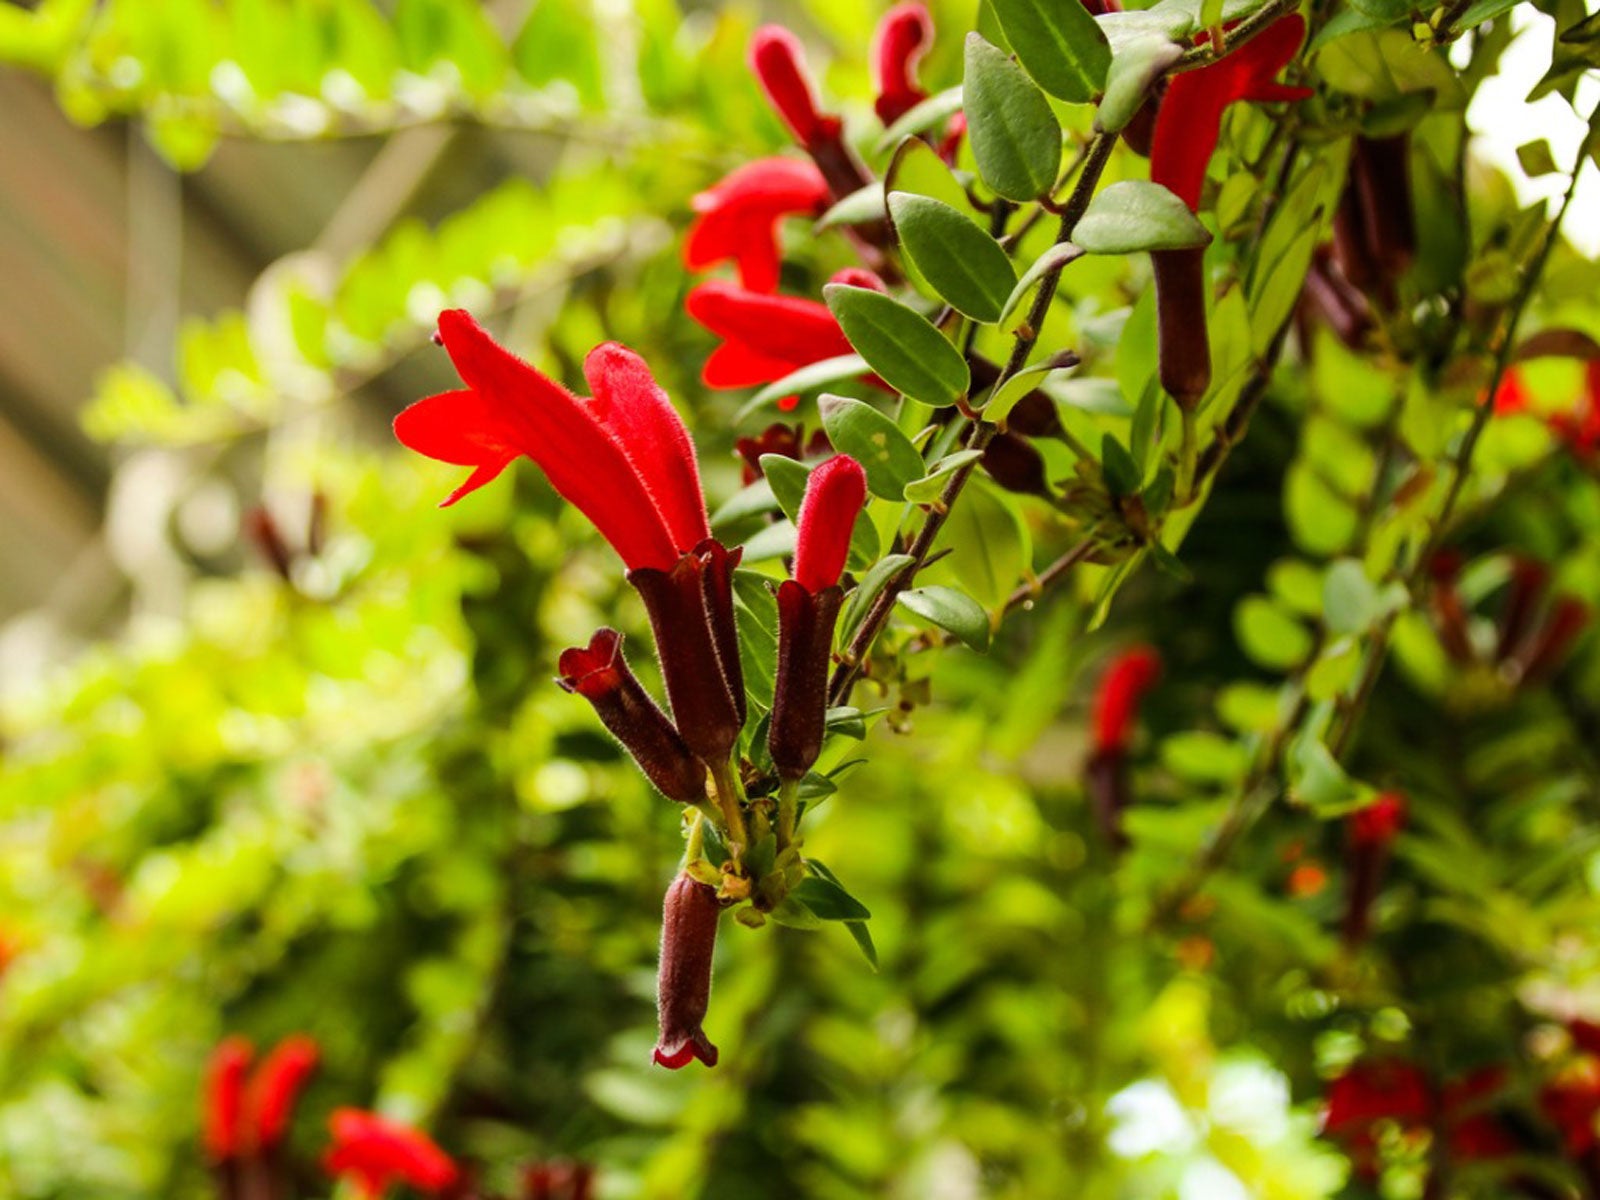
(378, 1153)
(901, 39)
(779, 63)
(224, 1097)
(835, 494)
(584, 461)
(774, 334)
(1190, 120)
(1116, 704)
(632, 405)
(740, 215)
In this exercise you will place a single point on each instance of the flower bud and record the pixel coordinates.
(779, 63)
(900, 41)
(1183, 348)
(835, 494)
(691, 615)
(683, 982)
(277, 1085)
(1116, 705)
(600, 674)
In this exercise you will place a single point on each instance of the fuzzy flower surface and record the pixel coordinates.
(623, 458)
(738, 218)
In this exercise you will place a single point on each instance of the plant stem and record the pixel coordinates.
(788, 811)
(728, 797)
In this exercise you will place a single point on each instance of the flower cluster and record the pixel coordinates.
(625, 459)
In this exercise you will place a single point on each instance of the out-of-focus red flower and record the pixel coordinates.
(276, 1086)
(624, 458)
(1190, 120)
(739, 218)
(1511, 397)
(1580, 429)
(1380, 822)
(1374, 1091)
(377, 1153)
(558, 1181)
(226, 1073)
(765, 337)
(778, 61)
(1306, 880)
(1476, 1134)
(1116, 705)
(901, 39)
(1572, 1104)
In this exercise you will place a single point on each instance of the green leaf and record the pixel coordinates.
(829, 901)
(1059, 44)
(787, 479)
(951, 610)
(962, 263)
(872, 439)
(900, 345)
(792, 912)
(1122, 474)
(863, 937)
(1002, 401)
(808, 378)
(1137, 65)
(1053, 259)
(1136, 215)
(1349, 599)
(860, 207)
(1317, 781)
(930, 114)
(871, 586)
(1015, 137)
(927, 489)
(1269, 636)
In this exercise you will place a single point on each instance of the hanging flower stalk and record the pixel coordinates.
(1186, 132)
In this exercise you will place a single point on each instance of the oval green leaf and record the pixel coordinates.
(951, 610)
(1134, 215)
(1053, 259)
(1015, 137)
(1059, 44)
(900, 345)
(962, 263)
(872, 439)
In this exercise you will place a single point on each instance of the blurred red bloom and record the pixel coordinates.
(226, 1073)
(1190, 120)
(623, 458)
(898, 44)
(1116, 704)
(1374, 1091)
(1579, 428)
(378, 1153)
(739, 217)
(779, 64)
(1379, 822)
(276, 1086)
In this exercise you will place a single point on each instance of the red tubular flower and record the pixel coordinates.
(1372, 831)
(1130, 675)
(1580, 429)
(225, 1135)
(276, 1087)
(691, 614)
(808, 608)
(1186, 131)
(778, 61)
(600, 674)
(624, 458)
(901, 39)
(378, 1153)
(739, 218)
(765, 337)
(683, 982)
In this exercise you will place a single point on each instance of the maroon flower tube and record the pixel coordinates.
(1449, 613)
(1555, 637)
(691, 615)
(599, 673)
(1373, 830)
(808, 608)
(1529, 581)
(1184, 346)
(683, 981)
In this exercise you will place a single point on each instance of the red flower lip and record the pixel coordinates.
(1116, 704)
(766, 337)
(898, 45)
(739, 218)
(624, 458)
(1190, 120)
(378, 1153)
(778, 61)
